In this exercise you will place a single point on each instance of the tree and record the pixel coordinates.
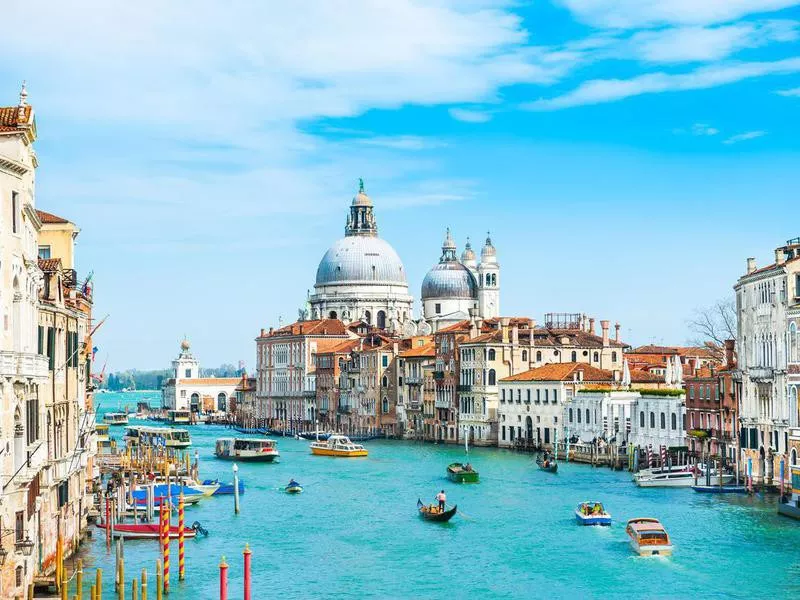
(713, 325)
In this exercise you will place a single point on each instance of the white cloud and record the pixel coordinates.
(402, 142)
(741, 137)
(470, 116)
(703, 129)
(599, 91)
(790, 92)
(628, 14)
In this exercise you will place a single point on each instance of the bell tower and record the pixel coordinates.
(186, 365)
(361, 220)
(489, 281)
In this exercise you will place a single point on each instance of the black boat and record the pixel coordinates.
(550, 467)
(431, 512)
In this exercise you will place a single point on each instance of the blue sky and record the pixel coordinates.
(627, 155)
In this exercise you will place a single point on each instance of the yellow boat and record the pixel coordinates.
(338, 445)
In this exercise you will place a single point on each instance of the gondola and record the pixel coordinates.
(550, 468)
(425, 512)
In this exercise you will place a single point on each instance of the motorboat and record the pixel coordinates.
(462, 473)
(338, 445)
(790, 505)
(116, 418)
(179, 417)
(592, 513)
(648, 537)
(685, 477)
(249, 449)
(293, 487)
(224, 488)
(144, 531)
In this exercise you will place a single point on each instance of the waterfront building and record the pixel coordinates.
(286, 368)
(328, 372)
(600, 412)
(658, 418)
(361, 277)
(242, 406)
(187, 390)
(654, 359)
(453, 290)
(415, 368)
(766, 298)
(712, 408)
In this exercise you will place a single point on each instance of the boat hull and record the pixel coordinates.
(294, 489)
(437, 517)
(552, 468)
(339, 453)
(146, 531)
(457, 474)
(789, 509)
(672, 481)
(602, 520)
(651, 550)
(724, 489)
(264, 457)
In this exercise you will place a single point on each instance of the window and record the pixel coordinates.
(691, 392)
(524, 356)
(44, 252)
(14, 212)
(574, 356)
(19, 525)
(183, 393)
(332, 314)
(385, 406)
(641, 419)
(437, 308)
(570, 415)
(492, 377)
(546, 395)
(40, 344)
(587, 417)
(663, 421)
(385, 360)
(188, 374)
(596, 357)
(613, 357)
(528, 392)
(381, 320)
(385, 380)
(653, 420)
(538, 396)
(491, 354)
(538, 356)
(555, 396)
(519, 396)
(503, 395)
(504, 433)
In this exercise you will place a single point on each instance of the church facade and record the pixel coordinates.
(186, 390)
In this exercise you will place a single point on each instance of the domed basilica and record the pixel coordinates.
(361, 277)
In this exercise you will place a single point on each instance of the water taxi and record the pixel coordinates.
(157, 436)
(116, 418)
(462, 473)
(179, 417)
(592, 513)
(338, 445)
(683, 477)
(246, 449)
(648, 537)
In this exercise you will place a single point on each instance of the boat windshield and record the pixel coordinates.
(653, 537)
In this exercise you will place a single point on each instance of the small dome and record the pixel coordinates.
(468, 256)
(488, 252)
(361, 198)
(185, 345)
(449, 280)
(361, 259)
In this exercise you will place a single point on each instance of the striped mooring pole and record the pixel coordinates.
(223, 580)
(181, 562)
(165, 543)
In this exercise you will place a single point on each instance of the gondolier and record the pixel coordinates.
(441, 498)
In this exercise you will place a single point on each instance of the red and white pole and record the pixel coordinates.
(181, 565)
(247, 554)
(165, 530)
(223, 580)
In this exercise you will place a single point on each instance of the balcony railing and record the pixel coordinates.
(442, 403)
(414, 380)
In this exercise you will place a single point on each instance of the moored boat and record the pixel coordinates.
(145, 435)
(163, 492)
(549, 465)
(684, 477)
(224, 489)
(462, 473)
(246, 449)
(720, 489)
(179, 417)
(790, 506)
(592, 513)
(431, 512)
(144, 531)
(338, 445)
(116, 418)
(648, 537)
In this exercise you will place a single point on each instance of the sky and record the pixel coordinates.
(626, 155)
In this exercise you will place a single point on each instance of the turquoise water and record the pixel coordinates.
(354, 532)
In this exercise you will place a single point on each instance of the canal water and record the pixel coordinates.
(355, 532)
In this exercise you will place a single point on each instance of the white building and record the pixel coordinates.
(766, 300)
(361, 277)
(659, 418)
(453, 290)
(186, 390)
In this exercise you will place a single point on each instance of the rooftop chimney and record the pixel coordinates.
(504, 322)
(591, 325)
(616, 332)
(270, 330)
(780, 256)
(263, 332)
(473, 329)
(515, 335)
(730, 359)
(751, 265)
(604, 325)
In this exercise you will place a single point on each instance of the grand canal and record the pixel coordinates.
(354, 532)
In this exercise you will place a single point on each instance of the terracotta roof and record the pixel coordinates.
(712, 352)
(49, 218)
(317, 327)
(549, 338)
(650, 360)
(336, 346)
(652, 349)
(9, 117)
(211, 381)
(461, 326)
(562, 372)
(644, 377)
(769, 268)
(428, 350)
(50, 265)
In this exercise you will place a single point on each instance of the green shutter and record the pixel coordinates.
(41, 340)
(51, 348)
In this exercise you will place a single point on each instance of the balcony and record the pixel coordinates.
(761, 373)
(463, 388)
(345, 409)
(414, 405)
(442, 403)
(414, 380)
(23, 364)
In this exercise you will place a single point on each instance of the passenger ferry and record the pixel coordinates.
(246, 449)
(116, 418)
(157, 436)
(102, 437)
(648, 537)
(338, 445)
(179, 417)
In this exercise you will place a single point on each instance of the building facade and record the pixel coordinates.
(765, 300)
(187, 390)
(415, 367)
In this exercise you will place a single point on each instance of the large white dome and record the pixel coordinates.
(361, 259)
(449, 280)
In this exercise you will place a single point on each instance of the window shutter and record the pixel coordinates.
(51, 348)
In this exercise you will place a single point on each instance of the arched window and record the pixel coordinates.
(222, 402)
(492, 377)
(579, 415)
(538, 356)
(652, 420)
(793, 458)
(570, 415)
(663, 421)
(641, 419)
(587, 415)
(525, 356)
(574, 356)
(613, 357)
(332, 314)
(385, 381)
(385, 406)
(381, 320)
(596, 357)
(480, 279)
(491, 354)
(368, 317)
(674, 421)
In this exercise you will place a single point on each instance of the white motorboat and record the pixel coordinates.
(684, 477)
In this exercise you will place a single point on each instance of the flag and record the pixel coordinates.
(94, 351)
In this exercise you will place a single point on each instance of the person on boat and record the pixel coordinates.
(597, 510)
(468, 467)
(441, 498)
(293, 483)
